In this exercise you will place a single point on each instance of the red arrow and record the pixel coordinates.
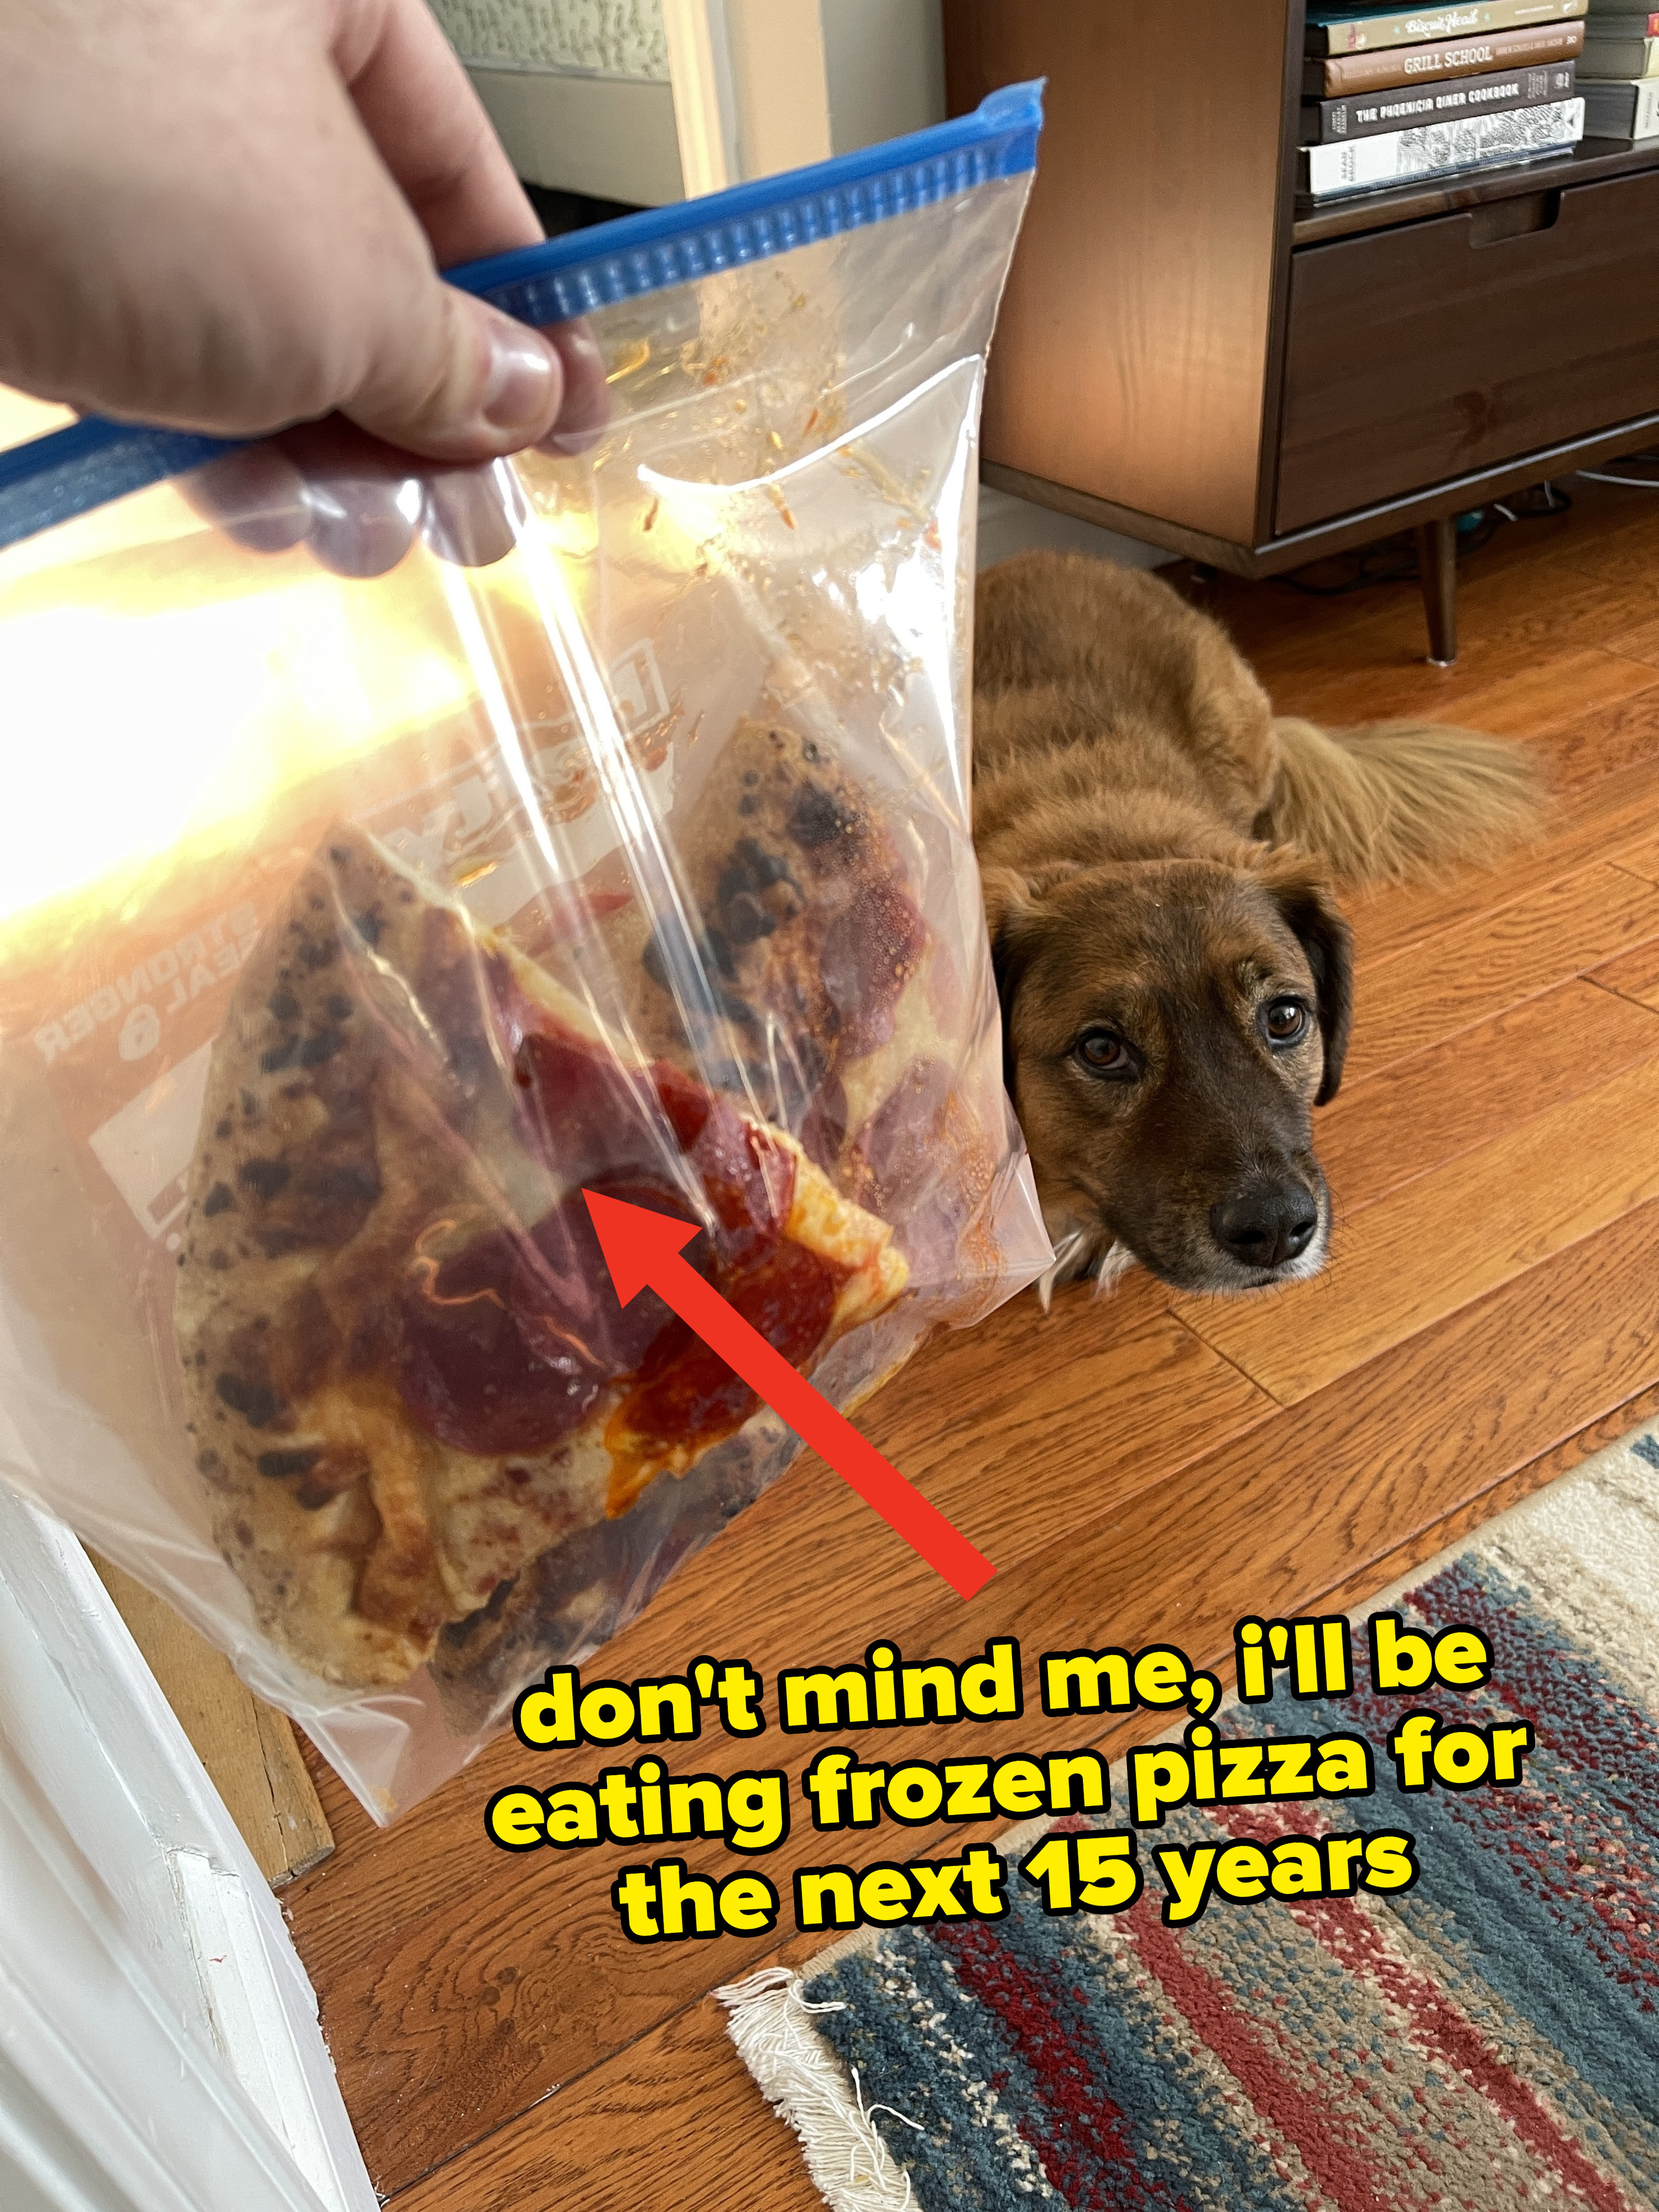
(643, 1251)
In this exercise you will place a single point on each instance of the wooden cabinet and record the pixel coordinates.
(1190, 354)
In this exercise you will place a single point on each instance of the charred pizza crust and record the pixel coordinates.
(365, 1165)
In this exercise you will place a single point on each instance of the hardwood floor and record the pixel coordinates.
(1139, 1467)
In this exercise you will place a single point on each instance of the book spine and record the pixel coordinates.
(1412, 25)
(1617, 60)
(1345, 73)
(1398, 157)
(1622, 110)
(1365, 115)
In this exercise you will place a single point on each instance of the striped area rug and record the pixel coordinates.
(1488, 2038)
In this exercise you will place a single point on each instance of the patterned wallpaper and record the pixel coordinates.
(617, 38)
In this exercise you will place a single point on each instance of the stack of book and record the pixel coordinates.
(1619, 71)
(1392, 95)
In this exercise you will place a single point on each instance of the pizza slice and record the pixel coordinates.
(836, 996)
(405, 1372)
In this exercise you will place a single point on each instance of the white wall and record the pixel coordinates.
(651, 101)
(618, 37)
(884, 63)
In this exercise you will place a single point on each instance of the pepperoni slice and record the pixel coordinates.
(561, 1288)
(508, 1343)
(750, 1180)
(467, 1372)
(584, 1117)
(686, 1103)
(589, 1120)
(687, 1393)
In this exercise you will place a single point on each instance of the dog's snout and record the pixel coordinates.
(1267, 1224)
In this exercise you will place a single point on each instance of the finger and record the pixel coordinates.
(363, 499)
(452, 379)
(361, 527)
(471, 516)
(430, 128)
(257, 497)
(449, 377)
(584, 410)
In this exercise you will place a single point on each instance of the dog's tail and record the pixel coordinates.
(1397, 800)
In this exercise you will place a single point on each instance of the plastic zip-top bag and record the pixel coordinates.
(399, 856)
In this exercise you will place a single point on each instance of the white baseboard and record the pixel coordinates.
(612, 138)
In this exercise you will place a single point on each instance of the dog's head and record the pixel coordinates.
(1170, 1026)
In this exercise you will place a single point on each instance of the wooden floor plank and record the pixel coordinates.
(674, 2121)
(1424, 1545)
(1364, 656)
(1620, 556)
(1016, 1455)
(1636, 636)
(1412, 1117)
(1532, 703)
(1485, 691)
(1468, 973)
(1447, 1238)
(1640, 858)
(1634, 975)
(1600, 822)
(605, 2142)
(1619, 730)
(445, 2026)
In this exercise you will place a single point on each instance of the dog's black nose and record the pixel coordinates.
(1267, 1224)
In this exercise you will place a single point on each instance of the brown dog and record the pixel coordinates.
(1158, 853)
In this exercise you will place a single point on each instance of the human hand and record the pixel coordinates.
(227, 215)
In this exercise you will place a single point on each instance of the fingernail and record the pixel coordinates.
(523, 386)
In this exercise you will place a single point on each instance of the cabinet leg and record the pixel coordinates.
(1437, 566)
(1199, 584)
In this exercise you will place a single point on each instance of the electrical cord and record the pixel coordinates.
(1648, 453)
(1394, 560)
(1631, 483)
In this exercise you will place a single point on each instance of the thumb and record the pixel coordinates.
(457, 381)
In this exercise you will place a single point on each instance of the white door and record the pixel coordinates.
(158, 2045)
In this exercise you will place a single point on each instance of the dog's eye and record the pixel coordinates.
(1102, 1052)
(1286, 1021)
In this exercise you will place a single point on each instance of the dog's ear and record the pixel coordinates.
(1304, 897)
(1014, 919)
(1007, 907)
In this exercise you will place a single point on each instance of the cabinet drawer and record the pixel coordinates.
(1421, 354)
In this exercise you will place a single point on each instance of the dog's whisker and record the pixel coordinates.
(1115, 1263)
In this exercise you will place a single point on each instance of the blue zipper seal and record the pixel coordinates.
(72, 470)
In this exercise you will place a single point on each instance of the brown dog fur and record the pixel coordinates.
(1158, 854)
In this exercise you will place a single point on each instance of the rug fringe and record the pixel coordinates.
(806, 2084)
